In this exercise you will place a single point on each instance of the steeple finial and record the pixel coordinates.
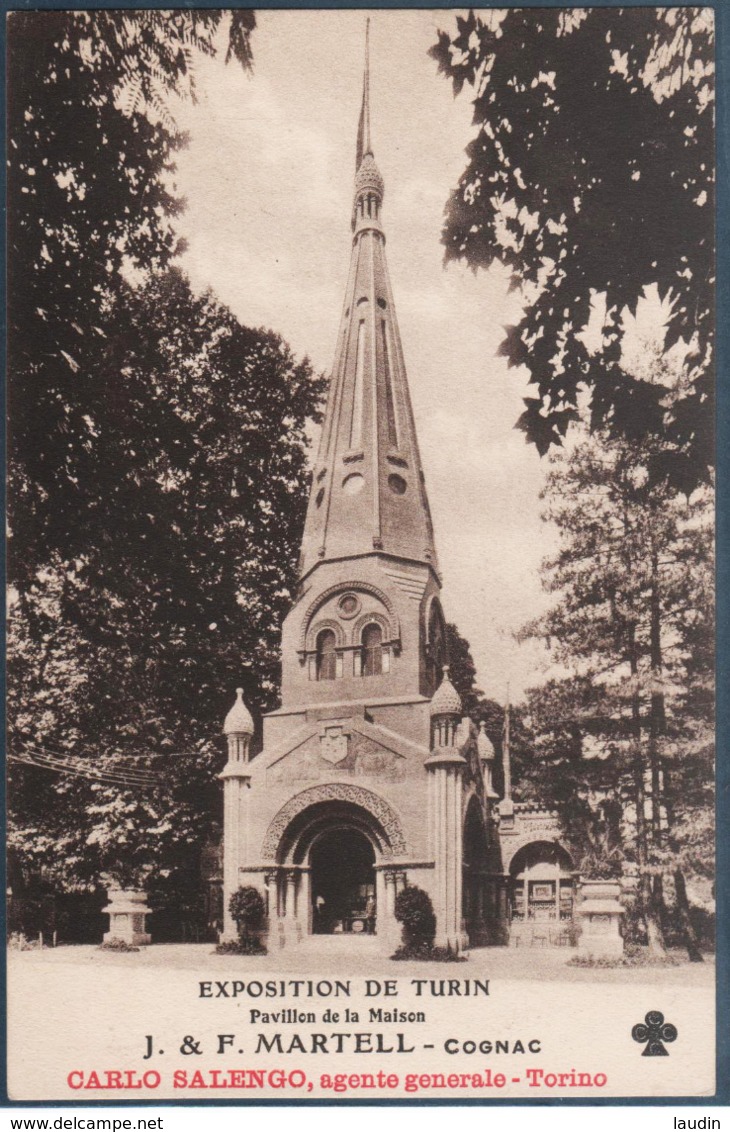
(363, 129)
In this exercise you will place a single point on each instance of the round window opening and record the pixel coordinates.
(353, 483)
(348, 605)
(397, 485)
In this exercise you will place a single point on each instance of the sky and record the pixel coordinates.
(268, 178)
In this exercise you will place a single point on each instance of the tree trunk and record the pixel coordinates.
(654, 934)
(657, 713)
(690, 936)
(657, 726)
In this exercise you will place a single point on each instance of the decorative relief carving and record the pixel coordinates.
(349, 606)
(363, 758)
(334, 744)
(336, 792)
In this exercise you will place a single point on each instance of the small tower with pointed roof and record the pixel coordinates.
(446, 768)
(485, 750)
(238, 729)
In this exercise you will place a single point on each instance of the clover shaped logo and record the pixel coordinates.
(654, 1031)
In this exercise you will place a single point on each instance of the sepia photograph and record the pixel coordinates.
(360, 510)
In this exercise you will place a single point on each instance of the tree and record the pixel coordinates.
(91, 147)
(127, 654)
(157, 462)
(462, 670)
(561, 766)
(590, 177)
(630, 726)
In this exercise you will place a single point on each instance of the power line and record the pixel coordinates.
(58, 751)
(36, 750)
(99, 777)
(130, 777)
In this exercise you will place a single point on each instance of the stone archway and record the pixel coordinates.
(542, 894)
(386, 822)
(331, 849)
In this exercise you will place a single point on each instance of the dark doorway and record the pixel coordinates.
(473, 874)
(343, 884)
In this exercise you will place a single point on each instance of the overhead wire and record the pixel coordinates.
(33, 755)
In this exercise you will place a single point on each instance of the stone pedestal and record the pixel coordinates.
(599, 915)
(126, 910)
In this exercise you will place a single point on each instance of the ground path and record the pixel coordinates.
(353, 955)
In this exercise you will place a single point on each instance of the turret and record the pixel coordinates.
(485, 750)
(445, 768)
(238, 729)
(446, 711)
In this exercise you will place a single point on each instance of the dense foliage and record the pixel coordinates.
(590, 176)
(157, 463)
(132, 649)
(626, 749)
(90, 152)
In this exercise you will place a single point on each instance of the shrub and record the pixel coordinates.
(116, 945)
(248, 910)
(414, 910)
(17, 941)
(250, 946)
(633, 956)
(432, 954)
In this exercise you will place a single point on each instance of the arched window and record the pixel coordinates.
(326, 656)
(372, 650)
(436, 654)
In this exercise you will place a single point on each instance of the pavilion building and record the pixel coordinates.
(371, 778)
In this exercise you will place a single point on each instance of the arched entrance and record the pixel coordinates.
(332, 851)
(342, 864)
(542, 895)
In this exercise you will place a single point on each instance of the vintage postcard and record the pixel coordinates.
(361, 621)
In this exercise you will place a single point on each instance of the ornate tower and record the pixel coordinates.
(368, 615)
(369, 493)
(350, 798)
(370, 779)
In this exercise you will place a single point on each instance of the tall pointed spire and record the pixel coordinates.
(363, 129)
(369, 493)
